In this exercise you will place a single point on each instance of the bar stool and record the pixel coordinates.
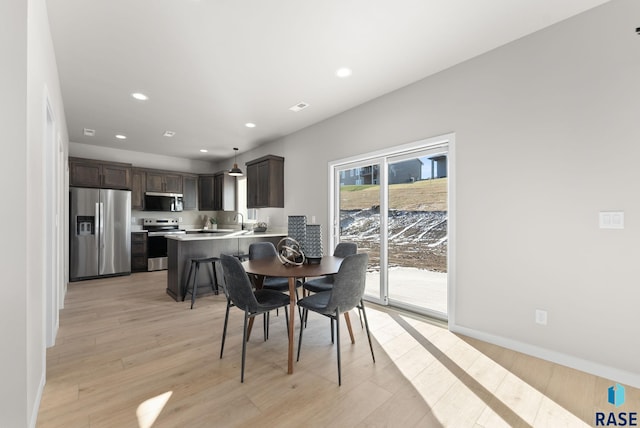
(192, 285)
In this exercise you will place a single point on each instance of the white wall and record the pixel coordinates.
(531, 119)
(28, 72)
(13, 263)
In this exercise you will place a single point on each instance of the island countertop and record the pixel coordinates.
(216, 235)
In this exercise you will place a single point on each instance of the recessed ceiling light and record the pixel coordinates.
(168, 134)
(343, 72)
(121, 137)
(140, 96)
(204, 150)
(89, 132)
(300, 106)
(250, 125)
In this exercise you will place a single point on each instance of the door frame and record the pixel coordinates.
(447, 140)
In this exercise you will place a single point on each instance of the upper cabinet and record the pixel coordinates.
(217, 192)
(190, 192)
(265, 182)
(163, 181)
(224, 192)
(137, 189)
(92, 173)
(205, 193)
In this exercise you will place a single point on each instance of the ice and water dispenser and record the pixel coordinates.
(85, 225)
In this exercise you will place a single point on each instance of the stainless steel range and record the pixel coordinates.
(158, 229)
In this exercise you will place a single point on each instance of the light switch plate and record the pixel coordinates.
(611, 219)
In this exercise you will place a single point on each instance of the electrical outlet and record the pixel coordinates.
(541, 317)
(612, 220)
(179, 219)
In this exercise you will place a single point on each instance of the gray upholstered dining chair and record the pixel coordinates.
(325, 283)
(265, 250)
(241, 295)
(346, 294)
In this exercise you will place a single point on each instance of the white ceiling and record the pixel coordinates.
(210, 66)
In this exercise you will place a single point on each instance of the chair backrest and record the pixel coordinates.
(345, 249)
(238, 286)
(348, 283)
(262, 250)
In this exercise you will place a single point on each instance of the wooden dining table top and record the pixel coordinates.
(274, 267)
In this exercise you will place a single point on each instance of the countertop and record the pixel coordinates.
(221, 234)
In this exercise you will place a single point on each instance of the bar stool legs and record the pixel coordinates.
(192, 278)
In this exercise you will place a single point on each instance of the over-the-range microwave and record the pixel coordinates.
(156, 201)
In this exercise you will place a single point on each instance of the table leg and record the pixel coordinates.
(348, 320)
(292, 313)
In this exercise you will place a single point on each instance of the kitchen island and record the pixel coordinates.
(182, 248)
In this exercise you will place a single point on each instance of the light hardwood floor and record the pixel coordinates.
(128, 356)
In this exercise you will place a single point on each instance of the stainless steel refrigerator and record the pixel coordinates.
(100, 233)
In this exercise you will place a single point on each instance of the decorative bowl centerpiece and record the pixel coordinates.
(260, 227)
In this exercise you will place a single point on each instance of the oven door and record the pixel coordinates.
(157, 252)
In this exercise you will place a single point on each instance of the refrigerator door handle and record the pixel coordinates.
(101, 224)
(96, 225)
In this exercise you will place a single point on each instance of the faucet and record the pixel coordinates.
(241, 221)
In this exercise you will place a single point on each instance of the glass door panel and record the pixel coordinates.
(417, 231)
(358, 210)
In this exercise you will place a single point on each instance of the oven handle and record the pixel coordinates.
(165, 233)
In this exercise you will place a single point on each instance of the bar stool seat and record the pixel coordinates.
(192, 277)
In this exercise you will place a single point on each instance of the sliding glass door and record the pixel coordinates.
(395, 207)
(357, 216)
(417, 231)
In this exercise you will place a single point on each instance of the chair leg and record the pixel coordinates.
(286, 319)
(186, 285)
(338, 347)
(366, 324)
(244, 344)
(195, 285)
(332, 332)
(302, 318)
(214, 279)
(265, 325)
(224, 329)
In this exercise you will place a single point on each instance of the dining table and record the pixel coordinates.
(272, 266)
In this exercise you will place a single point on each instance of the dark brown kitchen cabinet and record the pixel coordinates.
(138, 252)
(224, 192)
(93, 173)
(137, 189)
(163, 181)
(265, 182)
(205, 192)
(190, 192)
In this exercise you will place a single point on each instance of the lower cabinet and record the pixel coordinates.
(138, 252)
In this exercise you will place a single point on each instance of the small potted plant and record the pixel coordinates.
(213, 223)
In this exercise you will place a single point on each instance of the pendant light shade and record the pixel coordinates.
(235, 171)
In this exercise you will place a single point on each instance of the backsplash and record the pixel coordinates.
(187, 219)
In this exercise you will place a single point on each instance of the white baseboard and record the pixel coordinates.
(607, 372)
(36, 404)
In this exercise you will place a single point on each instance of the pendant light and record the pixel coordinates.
(235, 171)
